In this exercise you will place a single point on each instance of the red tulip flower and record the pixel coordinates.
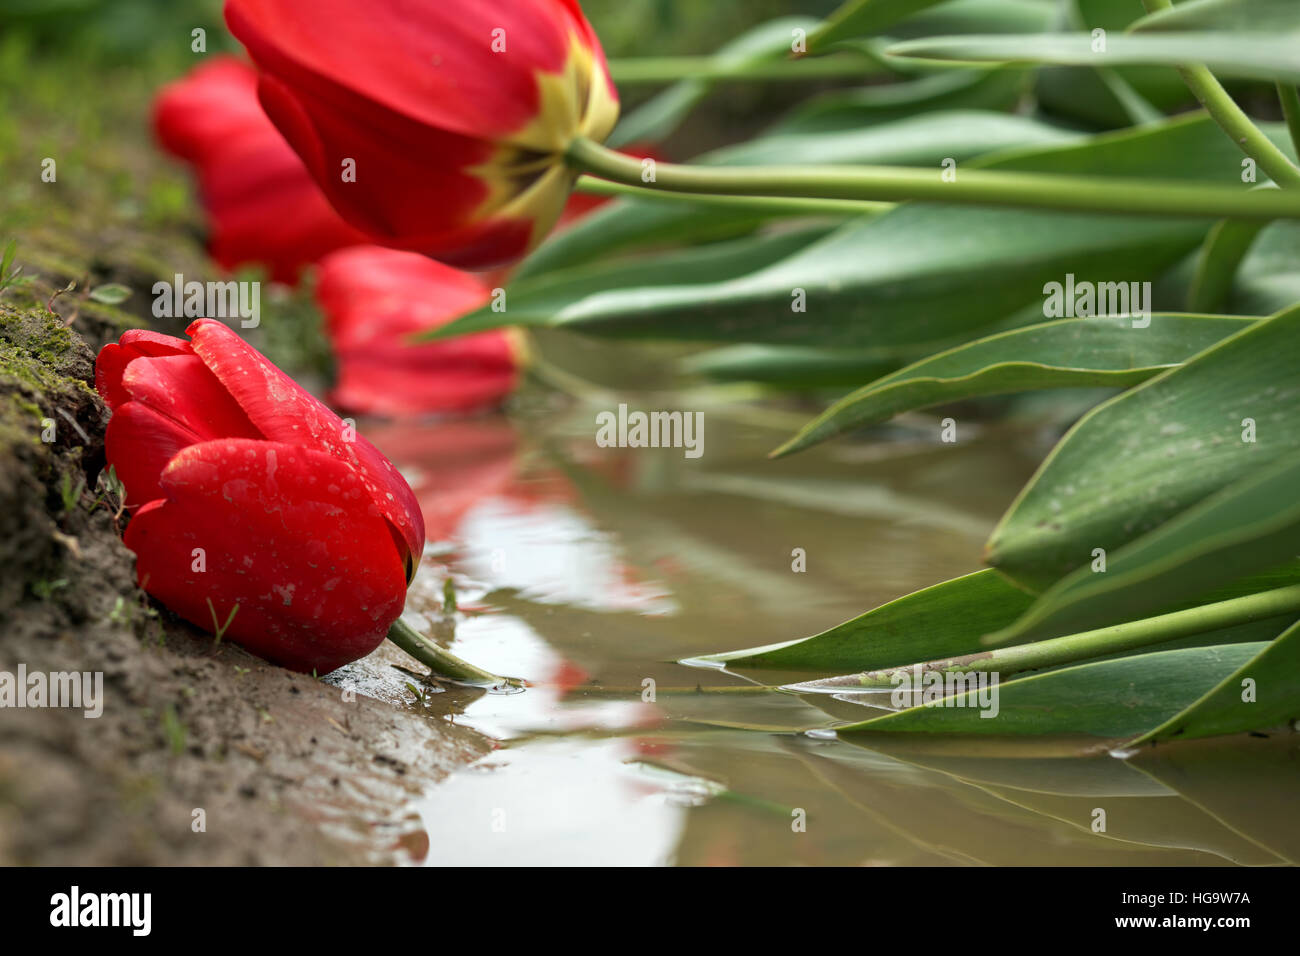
(251, 498)
(262, 205)
(439, 127)
(374, 300)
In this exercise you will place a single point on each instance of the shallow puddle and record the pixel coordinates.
(589, 572)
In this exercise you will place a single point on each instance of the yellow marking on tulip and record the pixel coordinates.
(535, 152)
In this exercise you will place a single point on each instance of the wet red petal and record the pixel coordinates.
(181, 388)
(113, 359)
(288, 534)
(283, 411)
(423, 61)
(138, 444)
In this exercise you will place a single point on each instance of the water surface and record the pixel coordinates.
(590, 572)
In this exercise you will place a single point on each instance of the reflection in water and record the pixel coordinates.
(589, 574)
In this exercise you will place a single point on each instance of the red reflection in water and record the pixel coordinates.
(452, 465)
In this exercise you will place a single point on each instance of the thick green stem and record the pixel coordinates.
(1087, 645)
(969, 187)
(776, 205)
(1233, 119)
(442, 662)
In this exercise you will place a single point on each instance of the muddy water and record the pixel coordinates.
(589, 572)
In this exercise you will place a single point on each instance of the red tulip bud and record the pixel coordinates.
(251, 498)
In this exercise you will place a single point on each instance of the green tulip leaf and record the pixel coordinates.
(868, 106)
(1154, 451)
(533, 301)
(1247, 16)
(1268, 278)
(922, 273)
(1262, 692)
(941, 621)
(861, 18)
(1112, 699)
(1261, 55)
(1226, 247)
(659, 117)
(1250, 526)
(1069, 353)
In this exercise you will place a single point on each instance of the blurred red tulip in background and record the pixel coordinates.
(437, 127)
(255, 505)
(262, 206)
(374, 300)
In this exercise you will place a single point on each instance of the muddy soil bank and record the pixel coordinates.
(203, 754)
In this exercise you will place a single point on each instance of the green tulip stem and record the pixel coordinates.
(1087, 645)
(968, 187)
(441, 661)
(776, 205)
(1232, 118)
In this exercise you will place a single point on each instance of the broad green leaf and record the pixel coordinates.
(532, 301)
(924, 140)
(858, 18)
(945, 620)
(949, 90)
(1204, 153)
(1144, 456)
(659, 116)
(978, 16)
(1225, 249)
(1254, 618)
(922, 273)
(627, 224)
(790, 366)
(1069, 353)
(1113, 699)
(1274, 677)
(1251, 525)
(1268, 279)
(1260, 56)
(1104, 97)
(1247, 16)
